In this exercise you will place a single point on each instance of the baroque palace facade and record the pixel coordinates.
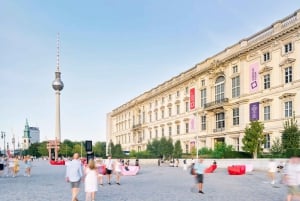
(257, 78)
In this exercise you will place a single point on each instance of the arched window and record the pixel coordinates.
(219, 89)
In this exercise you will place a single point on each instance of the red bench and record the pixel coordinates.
(236, 169)
(211, 169)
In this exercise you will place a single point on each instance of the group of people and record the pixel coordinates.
(91, 174)
(290, 175)
(10, 166)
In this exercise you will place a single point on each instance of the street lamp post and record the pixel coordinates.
(7, 147)
(3, 137)
(13, 143)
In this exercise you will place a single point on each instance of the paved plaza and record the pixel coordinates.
(151, 184)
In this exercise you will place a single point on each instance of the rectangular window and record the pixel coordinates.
(236, 87)
(170, 111)
(267, 141)
(178, 94)
(170, 130)
(186, 127)
(162, 100)
(170, 97)
(156, 116)
(203, 123)
(162, 132)
(163, 114)
(156, 103)
(178, 109)
(267, 81)
(202, 83)
(186, 90)
(186, 106)
(288, 74)
(266, 56)
(234, 69)
(267, 113)
(156, 133)
(203, 97)
(288, 109)
(150, 117)
(144, 117)
(177, 129)
(236, 116)
(150, 105)
(220, 121)
(288, 47)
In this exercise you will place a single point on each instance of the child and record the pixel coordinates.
(91, 180)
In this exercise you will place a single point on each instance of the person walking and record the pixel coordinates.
(109, 168)
(272, 170)
(16, 167)
(291, 178)
(117, 169)
(74, 174)
(199, 172)
(91, 181)
(27, 162)
(101, 170)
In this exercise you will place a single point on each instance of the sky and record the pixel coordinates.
(111, 51)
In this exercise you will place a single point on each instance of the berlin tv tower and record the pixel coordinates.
(57, 85)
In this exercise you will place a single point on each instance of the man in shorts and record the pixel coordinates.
(199, 170)
(74, 174)
(109, 168)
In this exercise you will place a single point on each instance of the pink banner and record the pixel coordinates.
(192, 123)
(192, 98)
(254, 78)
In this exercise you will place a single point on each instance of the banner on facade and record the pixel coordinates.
(192, 123)
(192, 98)
(192, 145)
(254, 78)
(254, 111)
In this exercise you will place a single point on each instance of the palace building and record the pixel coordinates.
(257, 78)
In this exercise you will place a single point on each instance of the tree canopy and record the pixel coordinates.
(253, 138)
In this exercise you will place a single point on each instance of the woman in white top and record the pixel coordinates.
(117, 169)
(91, 181)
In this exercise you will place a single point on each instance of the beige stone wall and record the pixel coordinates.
(130, 124)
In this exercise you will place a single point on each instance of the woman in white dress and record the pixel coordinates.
(91, 181)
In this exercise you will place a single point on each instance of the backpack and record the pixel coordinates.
(192, 170)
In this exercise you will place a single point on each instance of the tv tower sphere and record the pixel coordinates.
(57, 84)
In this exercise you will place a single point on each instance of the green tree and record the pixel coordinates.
(170, 147)
(118, 152)
(154, 148)
(65, 150)
(276, 148)
(253, 138)
(79, 148)
(221, 149)
(177, 149)
(42, 149)
(166, 147)
(290, 136)
(33, 150)
(100, 149)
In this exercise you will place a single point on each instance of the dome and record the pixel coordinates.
(57, 84)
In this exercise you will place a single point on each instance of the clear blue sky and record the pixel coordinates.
(111, 51)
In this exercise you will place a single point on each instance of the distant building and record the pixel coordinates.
(34, 134)
(31, 135)
(26, 139)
